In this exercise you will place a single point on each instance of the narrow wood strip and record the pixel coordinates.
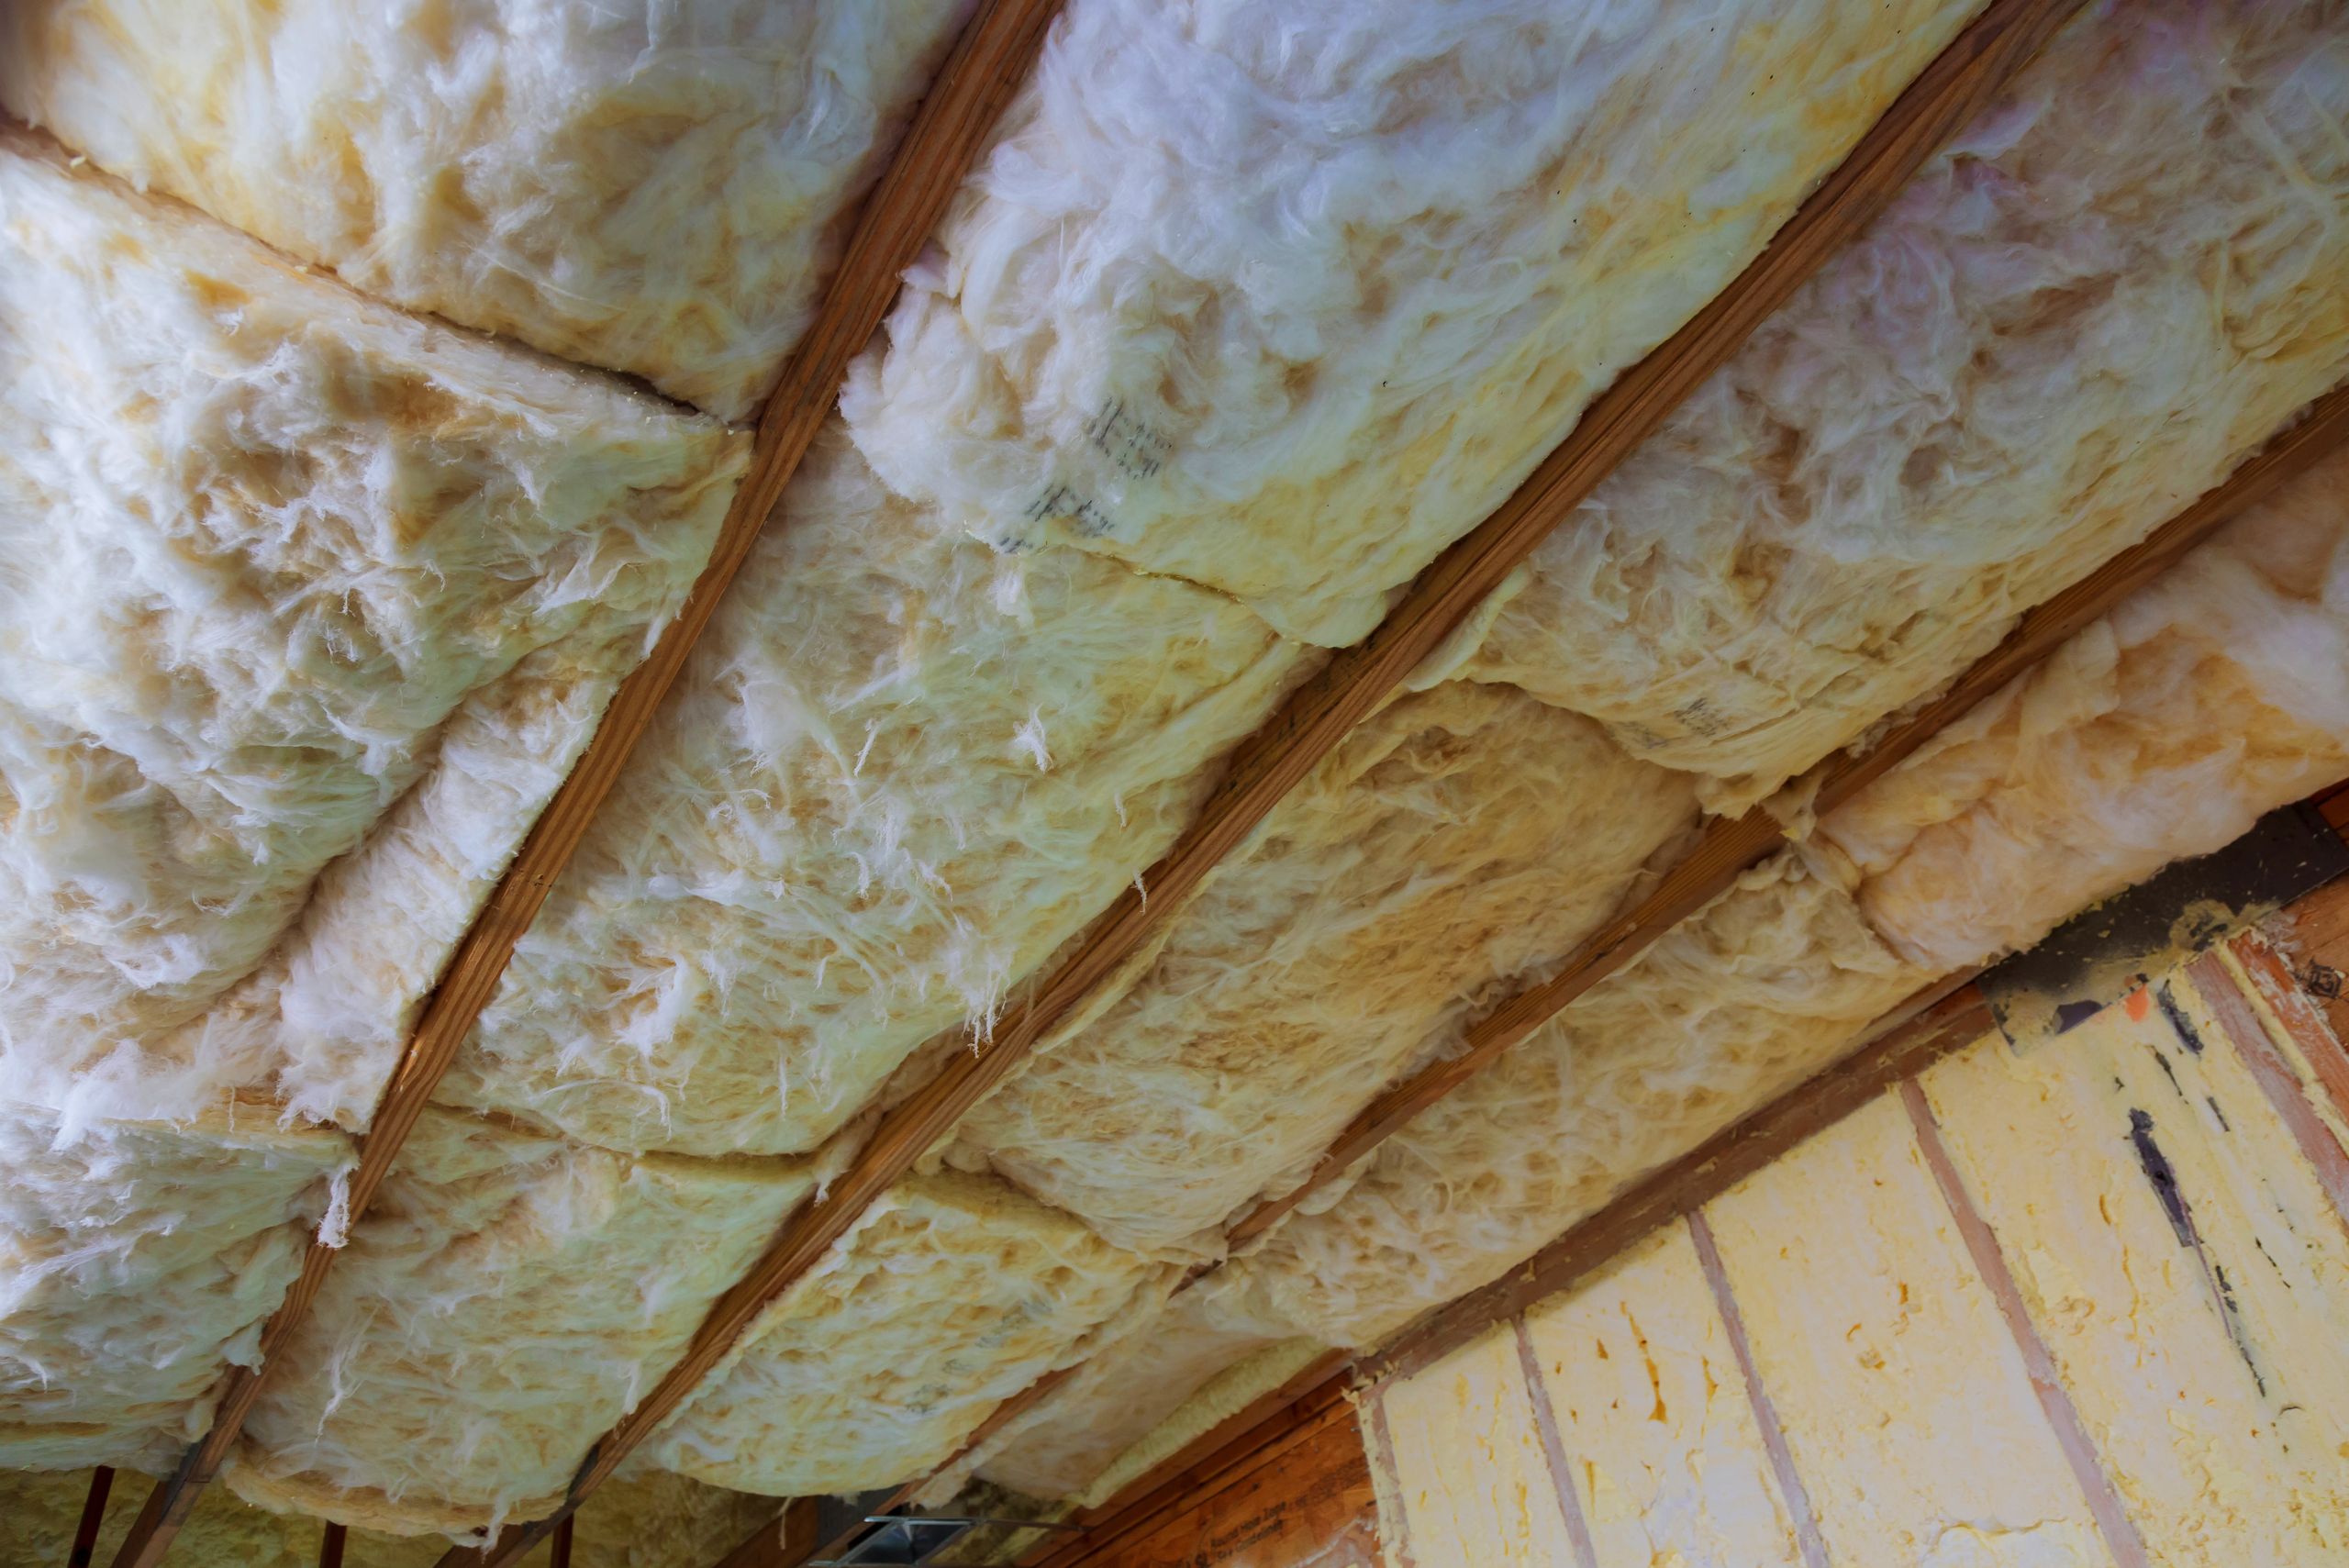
(1268, 1443)
(1553, 1446)
(331, 1542)
(1198, 1463)
(1729, 846)
(1379, 1437)
(1945, 1023)
(2300, 1015)
(1765, 1410)
(2275, 1077)
(989, 60)
(2112, 1519)
(559, 1556)
(94, 1516)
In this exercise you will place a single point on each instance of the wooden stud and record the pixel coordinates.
(330, 1544)
(559, 1555)
(985, 69)
(94, 1516)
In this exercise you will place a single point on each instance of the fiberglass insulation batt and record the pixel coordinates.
(899, 769)
(2164, 730)
(954, 1292)
(1283, 298)
(652, 188)
(265, 547)
(1251, 278)
(1458, 838)
(2115, 284)
(1739, 1002)
(508, 1296)
(137, 1259)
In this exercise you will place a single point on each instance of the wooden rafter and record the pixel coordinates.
(988, 63)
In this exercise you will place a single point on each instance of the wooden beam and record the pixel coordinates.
(986, 67)
(1943, 99)
(94, 1516)
(1730, 846)
(331, 1542)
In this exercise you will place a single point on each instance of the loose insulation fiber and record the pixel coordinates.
(262, 545)
(1741, 1002)
(1281, 299)
(2106, 292)
(956, 1293)
(2163, 730)
(137, 1260)
(508, 1296)
(653, 188)
(899, 771)
(1458, 838)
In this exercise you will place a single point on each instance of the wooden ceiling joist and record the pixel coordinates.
(985, 69)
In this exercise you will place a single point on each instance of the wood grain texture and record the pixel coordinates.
(2285, 1095)
(1730, 846)
(986, 67)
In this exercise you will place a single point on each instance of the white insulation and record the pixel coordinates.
(653, 188)
(2104, 294)
(308, 600)
(507, 1297)
(263, 545)
(954, 1292)
(136, 1262)
(1461, 838)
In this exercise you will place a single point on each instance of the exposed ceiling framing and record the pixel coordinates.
(986, 67)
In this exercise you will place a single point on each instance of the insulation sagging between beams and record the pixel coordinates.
(265, 547)
(1741, 1002)
(956, 1293)
(1459, 838)
(1128, 1392)
(2164, 730)
(2088, 307)
(900, 770)
(137, 1260)
(654, 189)
(2161, 732)
(1282, 299)
(508, 1297)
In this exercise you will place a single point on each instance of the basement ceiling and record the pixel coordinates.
(378, 386)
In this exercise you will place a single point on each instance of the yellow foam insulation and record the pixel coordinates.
(1904, 1401)
(2088, 306)
(1282, 299)
(900, 770)
(1740, 1003)
(654, 1521)
(137, 1260)
(1655, 1419)
(2199, 1330)
(508, 1296)
(263, 544)
(954, 1292)
(1470, 1473)
(1459, 840)
(2164, 729)
(653, 188)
